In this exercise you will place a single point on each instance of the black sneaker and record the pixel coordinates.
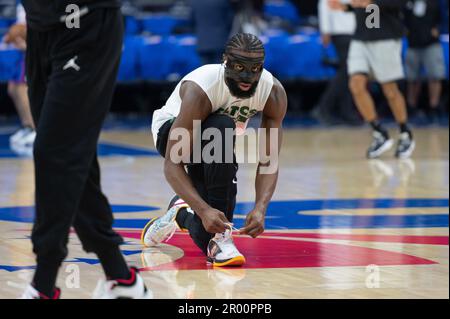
(381, 144)
(405, 146)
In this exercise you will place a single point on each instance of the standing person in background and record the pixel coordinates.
(23, 139)
(423, 19)
(376, 51)
(337, 28)
(213, 20)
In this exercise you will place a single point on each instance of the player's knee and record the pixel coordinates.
(220, 122)
(358, 85)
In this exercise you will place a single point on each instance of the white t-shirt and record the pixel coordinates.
(210, 78)
(21, 16)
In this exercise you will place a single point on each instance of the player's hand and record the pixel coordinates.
(336, 5)
(214, 221)
(254, 224)
(16, 35)
(361, 3)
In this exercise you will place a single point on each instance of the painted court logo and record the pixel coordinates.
(294, 248)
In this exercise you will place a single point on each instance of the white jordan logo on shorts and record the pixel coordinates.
(71, 64)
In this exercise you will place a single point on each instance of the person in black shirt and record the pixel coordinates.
(72, 59)
(213, 21)
(375, 52)
(423, 18)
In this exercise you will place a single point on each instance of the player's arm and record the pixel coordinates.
(16, 34)
(195, 106)
(267, 172)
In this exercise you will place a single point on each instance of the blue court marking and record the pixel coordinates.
(105, 149)
(291, 217)
(89, 261)
(287, 214)
(113, 149)
(10, 268)
(25, 214)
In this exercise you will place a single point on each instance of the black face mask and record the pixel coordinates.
(249, 73)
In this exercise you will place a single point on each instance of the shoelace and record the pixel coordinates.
(227, 234)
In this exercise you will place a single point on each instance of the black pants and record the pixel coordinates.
(215, 182)
(69, 106)
(337, 102)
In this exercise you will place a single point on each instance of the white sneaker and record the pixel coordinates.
(162, 228)
(24, 137)
(405, 147)
(223, 252)
(31, 293)
(134, 288)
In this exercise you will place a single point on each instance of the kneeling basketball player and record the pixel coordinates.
(222, 97)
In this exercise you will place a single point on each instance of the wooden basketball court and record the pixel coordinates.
(339, 226)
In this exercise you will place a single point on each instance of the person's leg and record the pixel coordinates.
(93, 224)
(413, 93)
(388, 69)
(37, 74)
(215, 182)
(381, 142)
(435, 91)
(358, 64)
(412, 66)
(69, 125)
(19, 95)
(361, 95)
(434, 62)
(397, 104)
(396, 101)
(23, 139)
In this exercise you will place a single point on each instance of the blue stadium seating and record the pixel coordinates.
(155, 56)
(282, 9)
(186, 58)
(168, 58)
(132, 25)
(160, 24)
(129, 69)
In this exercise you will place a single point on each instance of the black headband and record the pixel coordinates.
(246, 58)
